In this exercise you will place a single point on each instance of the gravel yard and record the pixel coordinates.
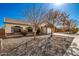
(42, 46)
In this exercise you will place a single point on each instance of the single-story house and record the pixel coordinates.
(14, 26)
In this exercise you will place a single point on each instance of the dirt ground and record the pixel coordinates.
(41, 46)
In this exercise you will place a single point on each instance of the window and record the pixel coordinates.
(16, 29)
(30, 29)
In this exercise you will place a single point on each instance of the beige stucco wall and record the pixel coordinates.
(8, 27)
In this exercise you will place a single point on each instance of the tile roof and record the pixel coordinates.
(13, 21)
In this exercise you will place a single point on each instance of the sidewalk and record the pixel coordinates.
(73, 50)
(70, 35)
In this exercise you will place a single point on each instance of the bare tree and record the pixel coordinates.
(57, 18)
(67, 23)
(64, 19)
(53, 18)
(73, 25)
(34, 15)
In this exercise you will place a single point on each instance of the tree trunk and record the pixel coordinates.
(34, 33)
(46, 29)
(51, 33)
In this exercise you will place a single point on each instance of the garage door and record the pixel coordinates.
(48, 30)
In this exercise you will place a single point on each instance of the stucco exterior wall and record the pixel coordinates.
(8, 27)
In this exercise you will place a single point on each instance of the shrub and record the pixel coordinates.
(23, 32)
(74, 30)
(38, 31)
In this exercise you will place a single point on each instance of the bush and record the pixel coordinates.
(38, 31)
(74, 30)
(23, 32)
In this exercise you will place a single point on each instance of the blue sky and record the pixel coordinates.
(14, 10)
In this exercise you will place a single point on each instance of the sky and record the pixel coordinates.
(14, 10)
